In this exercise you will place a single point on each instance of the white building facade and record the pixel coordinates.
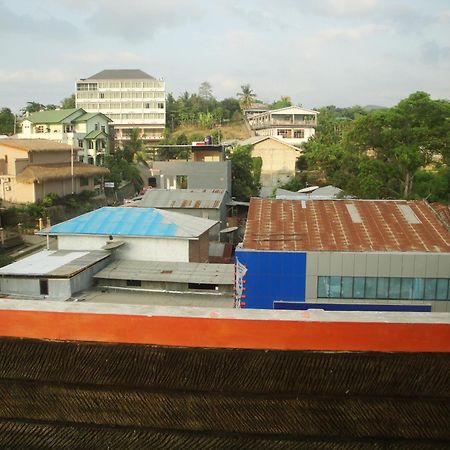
(131, 98)
(292, 124)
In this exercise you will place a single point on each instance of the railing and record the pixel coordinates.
(278, 123)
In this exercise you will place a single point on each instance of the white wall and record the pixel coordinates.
(135, 248)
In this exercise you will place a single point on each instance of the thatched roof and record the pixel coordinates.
(37, 145)
(45, 172)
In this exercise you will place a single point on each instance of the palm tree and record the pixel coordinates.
(247, 96)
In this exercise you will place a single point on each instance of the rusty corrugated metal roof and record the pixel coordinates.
(344, 225)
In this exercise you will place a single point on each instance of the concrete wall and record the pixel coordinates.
(15, 285)
(84, 280)
(201, 175)
(278, 161)
(135, 248)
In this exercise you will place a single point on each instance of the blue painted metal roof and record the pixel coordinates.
(133, 222)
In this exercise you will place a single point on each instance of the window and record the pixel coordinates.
(323, 289)
(40, 129)
(134, 283)
(335, 287)
(358, 287)
(394, 288)
(91, 144)
(160, 105)
(103, 128)
(299, 134)
(80, 143)
(285, 133)
(102, 95)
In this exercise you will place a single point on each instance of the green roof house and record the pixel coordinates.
(88, 132)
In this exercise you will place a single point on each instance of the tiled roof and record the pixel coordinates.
(36, 145)
(121, 74)
(122, 221)
(94, 134)
(37, 173)
(257, 139)
(88, 116)
(344, 225)
(183, 198)
(52, 116)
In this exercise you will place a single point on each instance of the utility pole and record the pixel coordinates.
(71, 166)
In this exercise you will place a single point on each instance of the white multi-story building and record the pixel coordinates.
(293, 124)
(131, 98)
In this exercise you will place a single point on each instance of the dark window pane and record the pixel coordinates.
(323, 287)
(371, 287)
(335, 287)
(430, 289)
(418, 288)
(407, 289)
(394, 288)
(441, 291)
(358, 287)
(383, 287)
(347, 287)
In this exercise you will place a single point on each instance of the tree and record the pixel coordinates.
(246, 96)
(205, 91)
(68, 102)
(282, 103)
(32, 107)
(405, 138)
(7, 120)
(245, 173)
(122, 170)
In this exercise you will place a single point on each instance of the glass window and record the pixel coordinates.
(347, 287)
(383, 287)
(358, 287)
(371, 287)
(418, 288)
(394, 288)
(430, 289)
(442, 287)
(322, 287)
(335, 287)
(406, 289)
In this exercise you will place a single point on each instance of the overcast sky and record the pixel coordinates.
(319, 52)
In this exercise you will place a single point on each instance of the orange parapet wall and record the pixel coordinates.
(215, 328)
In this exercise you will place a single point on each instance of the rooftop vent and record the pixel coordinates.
(354, 214)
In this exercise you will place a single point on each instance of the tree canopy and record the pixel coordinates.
(246, 96)
(245, 173)
(7, 120)
(381, 154)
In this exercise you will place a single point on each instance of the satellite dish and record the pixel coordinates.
(308, 189)
(229, 230)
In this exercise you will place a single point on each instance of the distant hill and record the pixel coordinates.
(369, 108)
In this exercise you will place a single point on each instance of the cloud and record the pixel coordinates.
(25, 24)
(432, 53)
(137, 19)
(352, 33)
(34, 75)
(107, 57)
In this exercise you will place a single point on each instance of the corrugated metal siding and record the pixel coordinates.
(326, 225)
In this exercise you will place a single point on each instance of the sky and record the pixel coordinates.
(318, 52)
